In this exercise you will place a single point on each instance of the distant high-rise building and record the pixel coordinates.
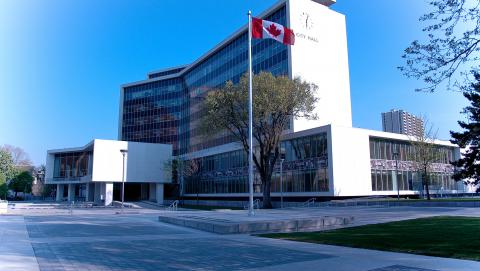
(402, 122)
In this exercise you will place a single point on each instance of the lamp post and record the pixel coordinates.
(124, 152)
(395, 156)
(281, 182)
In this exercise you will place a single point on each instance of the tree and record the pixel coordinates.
(3, 186)
(22, 183)
(180, 169)
(452, 47)
(19, 156)
(275, 101)
(7, 168)
(469, 138)
(424, 153)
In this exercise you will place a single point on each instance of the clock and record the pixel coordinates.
(306, 21)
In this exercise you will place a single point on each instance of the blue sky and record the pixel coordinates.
(62, 62)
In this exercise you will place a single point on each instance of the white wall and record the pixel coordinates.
(145, 162)
(49, 166)
(350, 163)
(349, 160)
(148, 162)
(108, 160)
(320, 56)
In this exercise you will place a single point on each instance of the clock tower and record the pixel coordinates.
(320, 56)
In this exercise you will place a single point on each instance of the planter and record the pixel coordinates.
(3, 207)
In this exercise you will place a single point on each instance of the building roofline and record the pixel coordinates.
(168, 69)
(72, 149)
(234, 35)
(199, 60)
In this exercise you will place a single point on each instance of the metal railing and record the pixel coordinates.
(256, 205)
(309, 203)
(173, 206)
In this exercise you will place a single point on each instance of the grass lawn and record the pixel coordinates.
(436, 199)
(443, 236)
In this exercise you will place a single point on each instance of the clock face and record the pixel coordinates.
(306, 20)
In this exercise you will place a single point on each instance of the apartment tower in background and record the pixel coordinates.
(402, 122)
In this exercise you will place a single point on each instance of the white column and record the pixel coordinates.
(108, 194)
(152, 193)
(71, 192)
(159, 194)
(59, 196)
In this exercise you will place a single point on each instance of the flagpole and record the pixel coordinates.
(250, 118)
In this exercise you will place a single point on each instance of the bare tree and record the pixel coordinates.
(424, 153)
(452, 45)
(19, 156)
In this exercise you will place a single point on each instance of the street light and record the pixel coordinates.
(281, 182)
(124, 152)
(395, 156)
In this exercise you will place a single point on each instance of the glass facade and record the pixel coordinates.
(168, 111)
(387, 169)
(72, 165)
(230, 63)
(152, 112)
(304, 170)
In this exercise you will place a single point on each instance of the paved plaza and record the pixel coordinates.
(101, 239)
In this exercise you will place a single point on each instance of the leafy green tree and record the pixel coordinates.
(276, 100)
(48, 190)
(452, 47)
(179, 170)
(469, 138)
(22, 183)
(7, 167)
(3, 186)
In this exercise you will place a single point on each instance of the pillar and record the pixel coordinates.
(108, 194)
(159, 194)
(71, 192)
(97, 192)
(59, 196)
(152, 193)
(144, 187)
(90, 192)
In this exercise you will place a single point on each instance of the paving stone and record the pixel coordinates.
(198, 254)
(401, 268)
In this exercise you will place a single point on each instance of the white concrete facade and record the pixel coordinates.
(320, 56)
(349, 162)
(144, 163)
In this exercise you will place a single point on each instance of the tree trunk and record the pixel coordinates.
(267, 199)
(426, 185)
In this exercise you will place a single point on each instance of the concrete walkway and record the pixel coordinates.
(16, 252)
(96, 240)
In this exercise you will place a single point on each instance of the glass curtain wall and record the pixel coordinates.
(304, 170)
(385, 172)
(152, 112)
(169, 110)
(71, 165)
(230, 63)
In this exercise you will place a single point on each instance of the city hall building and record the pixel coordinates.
(323, 158)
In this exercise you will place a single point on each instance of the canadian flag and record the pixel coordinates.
(262, 29)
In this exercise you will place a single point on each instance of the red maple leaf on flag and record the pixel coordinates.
(274, 31)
